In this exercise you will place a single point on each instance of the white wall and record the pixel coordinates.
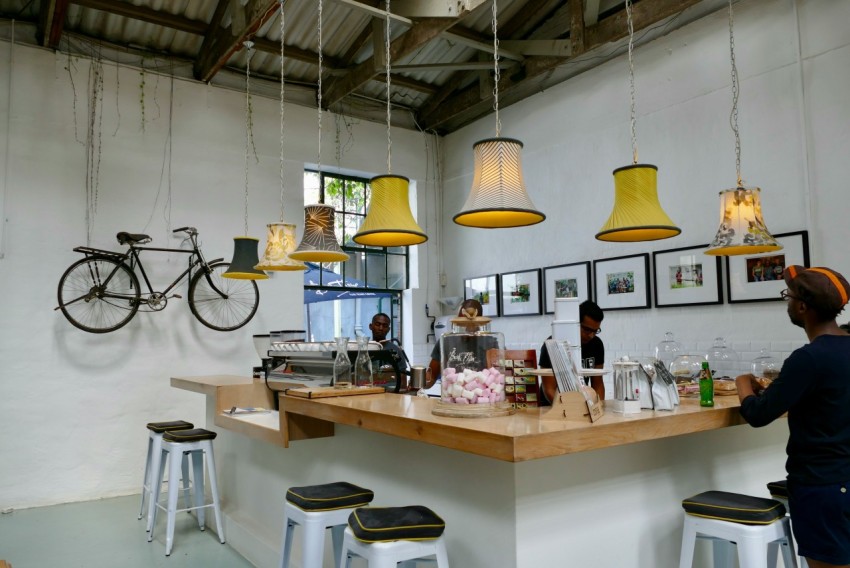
(795, 138)
(73, 405)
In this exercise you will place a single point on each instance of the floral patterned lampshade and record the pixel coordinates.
(742, 229)
(279, 243)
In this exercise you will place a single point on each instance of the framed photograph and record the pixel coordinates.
(686, 277)
(758, 278)
(520, 293)
(566, 281)
(622, 283)
(485, 289)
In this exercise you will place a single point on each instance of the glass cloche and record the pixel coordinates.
(766, 366)
(724, 361)
(668, 349)
(472, 359)
(685, 368)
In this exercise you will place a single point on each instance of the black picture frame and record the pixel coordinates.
(578, 271)
(697, 280)
(485, 289)
(633, 269)
(519, 293)
(742, 286)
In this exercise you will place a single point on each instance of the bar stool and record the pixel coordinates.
(779, 491)
(196, 442)
(155, 432)
(316, 508)
(387, 537)
(731, 518)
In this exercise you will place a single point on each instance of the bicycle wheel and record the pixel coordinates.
(95, 306)
(222, 304)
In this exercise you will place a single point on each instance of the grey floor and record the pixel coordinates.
(106, 534)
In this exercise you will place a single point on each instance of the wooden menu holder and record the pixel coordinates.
(574, 406)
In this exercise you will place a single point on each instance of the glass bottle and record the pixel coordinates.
(342, 365)
(725, 362)
(706, 386)
(363, 363)
(473, 371)
(667, 350)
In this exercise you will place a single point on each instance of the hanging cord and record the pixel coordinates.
(632, 81)
(733, 118)
(387, 55)
(282, 91)
(249, 46)
(319, 95)
(496, 71)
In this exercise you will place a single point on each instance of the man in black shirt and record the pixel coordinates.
(813, 387)
(592, 352)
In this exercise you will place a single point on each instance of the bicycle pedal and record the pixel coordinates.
(178, 296)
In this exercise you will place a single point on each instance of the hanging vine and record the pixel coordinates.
(93, 141)
(142, 93)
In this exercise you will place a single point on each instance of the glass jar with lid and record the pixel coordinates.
(724, 361)
(472, 359)
(686, 367)
(668, 349)
(766, 366)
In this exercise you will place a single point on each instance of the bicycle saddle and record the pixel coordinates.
(125, 238)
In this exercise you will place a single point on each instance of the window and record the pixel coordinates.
(334, 296)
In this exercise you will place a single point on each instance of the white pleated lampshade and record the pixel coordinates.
(279, 243)
(319, 244)
(389, 222)
(498, 198)
(637, 214)
(742, 229)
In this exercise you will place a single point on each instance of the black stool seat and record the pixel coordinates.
(193, 435)
(329, 496)
(734, 507)
(778, 488)
(160, 427)
(382, 524)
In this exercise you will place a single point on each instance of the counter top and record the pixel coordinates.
(519, 437)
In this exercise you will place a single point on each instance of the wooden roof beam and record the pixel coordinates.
(51, 20)
(221, 43)
(145, 14)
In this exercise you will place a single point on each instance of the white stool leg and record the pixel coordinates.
(219, 527)
(442, 554)
(723, 553)
(313, 543)
(184, 470)
(689, 539)
(174, 466)
(198, 485)
(752, 552)
(154, 489)
(337, 534)
(288, 531)
(146, 482)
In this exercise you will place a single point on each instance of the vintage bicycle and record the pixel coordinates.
(101, 293)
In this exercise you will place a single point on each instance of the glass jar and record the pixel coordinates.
(668, 349)
(766, 366)
(472, 359)
(342, 365)
(724, 361)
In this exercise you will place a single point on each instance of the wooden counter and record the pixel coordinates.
(520, 437)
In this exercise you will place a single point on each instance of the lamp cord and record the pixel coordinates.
(282, 91)
(736, 90)
(319, 95)
(496, 71)
(249, 45)
(632, 81)
(387, 55)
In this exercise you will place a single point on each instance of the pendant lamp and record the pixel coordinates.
(319, 243)
(742, 228)
(245, 256)
(498, 198)
(389, 221)
(280, 240)
(637, 214)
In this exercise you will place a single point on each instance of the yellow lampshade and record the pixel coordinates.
(498, 198)
(742, 229)
(637, 214)
(279, 243)
(318, 244)
(389, 222)
(244, 260)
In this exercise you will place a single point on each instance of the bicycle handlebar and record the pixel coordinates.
(189, 230)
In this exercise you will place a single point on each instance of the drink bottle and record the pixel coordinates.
(706, 386)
